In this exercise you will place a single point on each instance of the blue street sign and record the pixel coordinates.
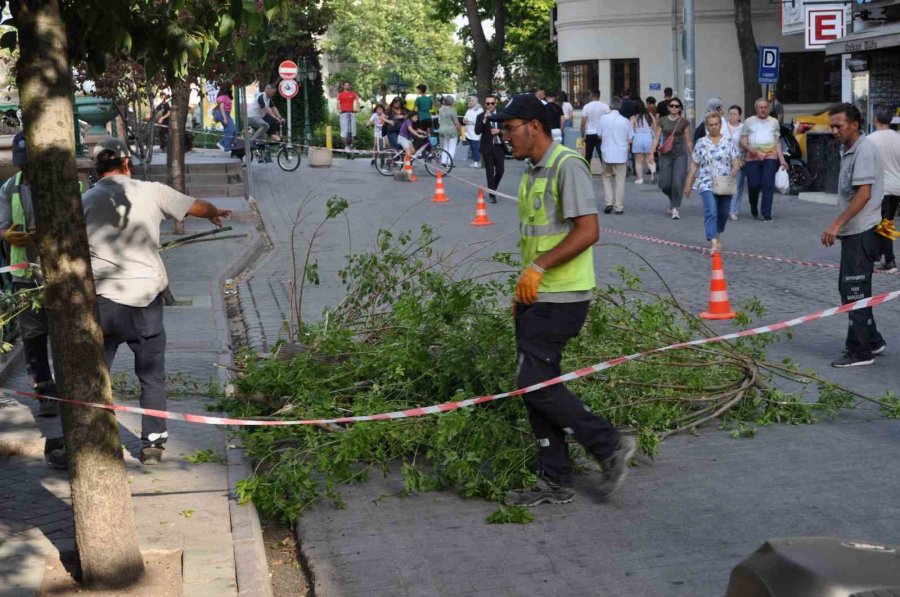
(768, 64)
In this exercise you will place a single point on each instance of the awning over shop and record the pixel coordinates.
(879, 38)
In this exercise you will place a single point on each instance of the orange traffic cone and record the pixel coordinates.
(481, 216)
(719, 306)
(439, 195)
(407, 167)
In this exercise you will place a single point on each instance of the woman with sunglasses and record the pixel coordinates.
(672, 136)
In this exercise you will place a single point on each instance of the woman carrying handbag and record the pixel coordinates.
(672, 136)
(715, 163)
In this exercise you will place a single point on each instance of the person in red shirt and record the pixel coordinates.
(348, 103)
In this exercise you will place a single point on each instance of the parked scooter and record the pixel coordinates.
(800, 176)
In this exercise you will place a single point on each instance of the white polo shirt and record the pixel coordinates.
(592, 112)
(615, 133)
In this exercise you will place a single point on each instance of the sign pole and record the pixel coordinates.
(289, 120)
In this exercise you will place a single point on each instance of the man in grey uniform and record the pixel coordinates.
(17, 227)
(122, 216)
(860, 191)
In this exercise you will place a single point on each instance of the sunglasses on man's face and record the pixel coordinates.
(490, 103)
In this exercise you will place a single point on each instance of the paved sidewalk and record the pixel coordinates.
(679, 524)
(178, 505)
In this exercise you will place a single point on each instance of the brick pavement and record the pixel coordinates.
(680, 524)
(178, 505)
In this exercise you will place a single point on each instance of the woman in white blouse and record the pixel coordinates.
(733, 129)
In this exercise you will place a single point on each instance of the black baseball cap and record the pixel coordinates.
(525, 106)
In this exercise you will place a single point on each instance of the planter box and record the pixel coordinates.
(320, 157)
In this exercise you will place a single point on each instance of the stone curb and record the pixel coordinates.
(250, 564)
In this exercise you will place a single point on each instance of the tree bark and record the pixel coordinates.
(484, 68)
(181, 96)
(499, 29)
(105, 534)
(743, 23)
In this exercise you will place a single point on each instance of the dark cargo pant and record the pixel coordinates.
(542, 331)
(858, 255)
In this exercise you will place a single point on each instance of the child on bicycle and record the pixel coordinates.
(378, 120)
(408, 131)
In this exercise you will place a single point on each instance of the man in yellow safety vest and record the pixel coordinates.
(558, 227)
(17, 228)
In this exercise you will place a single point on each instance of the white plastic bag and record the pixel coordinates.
(782, 181)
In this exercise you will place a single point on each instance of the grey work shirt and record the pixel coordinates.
(122, 217)
(576, 195)
(861, 165)
(6, 193)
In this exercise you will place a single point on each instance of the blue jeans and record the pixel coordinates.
(715, 213)
(475, 146)
(228, 127)
(761, 176)
(736, 199)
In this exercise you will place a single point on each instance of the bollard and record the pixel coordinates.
(328, 137)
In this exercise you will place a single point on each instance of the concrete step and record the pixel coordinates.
(228, 166)
(203, 178)
(220, 190)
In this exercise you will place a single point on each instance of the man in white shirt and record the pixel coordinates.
(887, 143)
(590, 124)
(261, 114)
(616, 133)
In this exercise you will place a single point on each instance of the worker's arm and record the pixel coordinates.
(205, 209)
(857, 203)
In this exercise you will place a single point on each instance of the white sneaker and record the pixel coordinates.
(675, 215)
(639, 181)
(474, 165)
(733, 217)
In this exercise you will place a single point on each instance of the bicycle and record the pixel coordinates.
(436, 159)
(287, 156)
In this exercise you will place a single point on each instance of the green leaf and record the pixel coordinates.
(226, 25)
(511, 514)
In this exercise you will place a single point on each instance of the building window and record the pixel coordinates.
(626, 74)
(578, 79)
(809, 78)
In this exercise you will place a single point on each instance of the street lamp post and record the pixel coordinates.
(308, 74)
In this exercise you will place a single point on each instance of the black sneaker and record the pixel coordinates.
(769, 220)
(615, 468)
(152, 455)
(492, 199)
(754, 211)
(888, 268)
(607, 209)
(849, 359)
(545, 491)
(46, 408)
(879, 350)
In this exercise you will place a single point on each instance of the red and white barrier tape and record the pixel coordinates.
(18, 266)
(451, 406)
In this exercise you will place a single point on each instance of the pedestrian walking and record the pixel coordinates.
(733, 129)
(887, 142)
(860, 191)
(616, 134)
(672, 137)
(348, 104)
(556, 116)
(122, 217)
(590, 124)
(492, 154)
(472, 137)
(17, 226)
(558, 225)
(761, 139)
(449, 129)
(568, 110)
(662, 107)
(423, 105)
(397, 116)
(222, 115)
(642, 124)
(714, 104)
(715, 163)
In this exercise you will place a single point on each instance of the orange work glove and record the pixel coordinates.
(14, 235)
(527, 286)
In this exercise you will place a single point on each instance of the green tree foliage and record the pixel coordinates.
(371, 40)
(530, 59)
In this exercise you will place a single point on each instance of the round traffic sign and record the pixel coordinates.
(287, 69)
(288, 88)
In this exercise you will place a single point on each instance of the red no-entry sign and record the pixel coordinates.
(287, 69)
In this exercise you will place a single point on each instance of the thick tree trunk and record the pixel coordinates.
(484, 68)
(181, 96)
(743, 23)
(105, 534)
(499, 29)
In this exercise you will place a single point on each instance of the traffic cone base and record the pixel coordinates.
(407, 167)
(439, 195)
(481, 216)
(719, 305)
